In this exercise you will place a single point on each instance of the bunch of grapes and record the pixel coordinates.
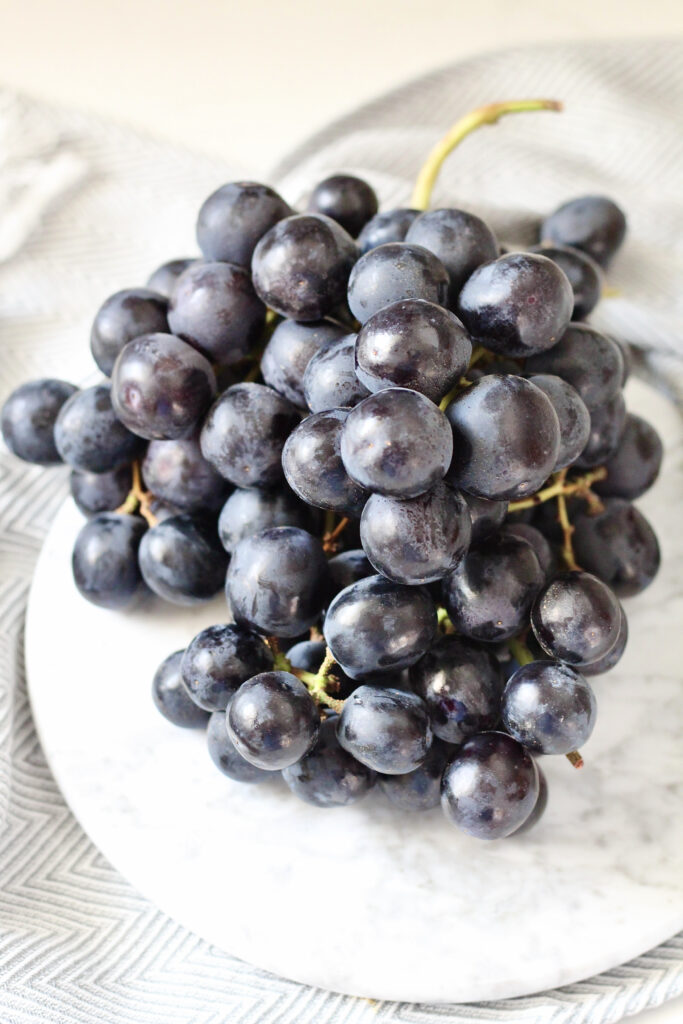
(406, 457)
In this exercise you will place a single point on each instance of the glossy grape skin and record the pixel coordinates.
(163, 279)
(105, 559)
(247, 512)
(375, 625)
(388, 730)
(328, 776)
(171, 698)
(490, 787)
(291, 347)
(301, 267)
(28, 419)
(214, 308)
(506, 438)
(549, 708)
(583, 273)
(607, 424)
(100, 492)
(613, 657)
(539, 806)
(278, 581)
(461, 241)
(634, 466)
(273, 721)
(517, 304)
(486, 515)
(417, 540)
(161, 387)
(182, 561)
(218, 660)
(392, 272)
(244, 434)
(619, 546)
(347, 199)
(349, 567)
(121, 318)
(572, 414)
(176, 472)
(233, 219)
(576, 618)
(461, 683)
(419, 790)
(90, 437)
(225, 755)
(588, 360)
(330, 380)
(412, 344)
(396, 442)
(544, 552)
(490, 594)
(313, 466)
(387, 226)
(593, 224)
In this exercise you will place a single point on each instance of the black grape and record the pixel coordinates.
(272, 720)
(634, 466)
(313, 467)
(291, 347)
(226, 756)
(330, 380)
(613, 656)
(388, 730)
(90, 437)
(182, 560)
(176, 472)
(583, 273)
(619, 546)
(572, 414)
(594, 224)
(388, 226)
(576, 618)
(28, 419)
(347, 199)
(105, 559)
(121, 318)
(172, 699)
(249, 511)
(544, 552)
(233, 219)
(549, 707)
(419, 790)
(486, 515)
(588, 360)
(607, 426)
(392, 272)
(461, 241)
(219, 660)
(328, 776)
(163, 280)
(100, 492)
(349, 567)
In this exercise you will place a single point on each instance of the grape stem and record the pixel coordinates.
(560, 486)
(332, 534)
(567, 531)
(575, 759)
(138, 500)
(443, 621)
(489, 114)
(315, 682)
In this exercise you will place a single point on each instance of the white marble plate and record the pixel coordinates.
(364, 900)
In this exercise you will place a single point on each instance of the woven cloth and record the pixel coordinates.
(87, 207)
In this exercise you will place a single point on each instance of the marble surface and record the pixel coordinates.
(364, 900)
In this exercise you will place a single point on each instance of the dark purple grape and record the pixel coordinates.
(100, 492)
(176, 472)
(164, 278)
(583, 273)
(172, 699)
(233, 219)
(121, 318)
(412, 344)
(627, 356)
(90, 437)
(419, 790)
(517, 305)
(328, 776)
(105, 559)
(375, 625)
(634, 466)
(607, 426)
(397, 443)
(247, 512)
(588, 360)
(161, 387)
(486, 515)
(392, 272)
(544, 552)
(609, 660)
(219, 660)
(417, 540)
(490, 594)
(214, 308)
(278, 581)
(506, 438)
(387, 730)
(490, 787)
(539, 806)
(347, 199)
(330, 380)
(348, 568)
(572, 414)
(182, 560)
(28, 419)
(388, 226)
(549, 707)
(312, 464)
(461, 683)
(576, 618)
(244, 434)
(225, 755)
(273, 721)
(301, 266)
(460, 240)
(291, 347)
(594, 224)
(619, 546)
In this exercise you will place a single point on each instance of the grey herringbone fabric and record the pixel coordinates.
(77, 943)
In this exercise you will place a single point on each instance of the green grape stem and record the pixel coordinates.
(315, 682)
(138, 499)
